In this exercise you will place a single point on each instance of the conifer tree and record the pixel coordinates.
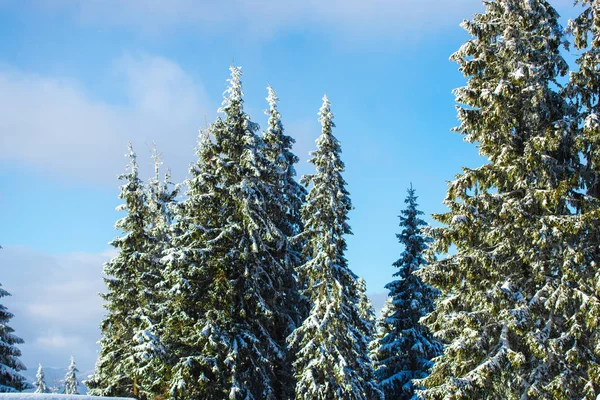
(149, 353)
(502, 312)
(71, 382)
(286, 210)
(129, 277)
(10, 365)
(40, 381)
(226, 266)
(407, 347)
(331, 344)
(258, 277)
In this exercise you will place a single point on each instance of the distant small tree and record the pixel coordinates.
(382, 328)
(71, 382)
(40, 381)
(365, 309)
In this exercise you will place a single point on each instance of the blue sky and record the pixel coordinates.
(79, 79)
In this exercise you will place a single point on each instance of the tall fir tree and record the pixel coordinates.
(40, 381)
(129, 277)
(286, 211)
(331, 344)
(232, 244)
(259, 279)
(71, 382)
(406, 347)
(149, 352)
(506, 291)
(10, 364)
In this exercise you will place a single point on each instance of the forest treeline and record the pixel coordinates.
(234, 284)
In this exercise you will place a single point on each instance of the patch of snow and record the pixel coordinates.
(592, 121)
(459, 219)
(44, 396)
(520, 73)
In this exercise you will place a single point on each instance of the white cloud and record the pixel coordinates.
(56, 304)
(347, 19)
(51, 123)
(58, 341)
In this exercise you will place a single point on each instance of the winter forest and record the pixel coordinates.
(234, 283)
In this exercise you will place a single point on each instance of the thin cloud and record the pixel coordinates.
(52, 124)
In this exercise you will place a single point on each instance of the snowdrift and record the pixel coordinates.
(43, 396)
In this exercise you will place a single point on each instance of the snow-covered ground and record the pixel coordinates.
(40, 396)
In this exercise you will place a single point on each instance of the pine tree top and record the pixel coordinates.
(326, 116)
(272, 99)
(233, 95)
(72, 365)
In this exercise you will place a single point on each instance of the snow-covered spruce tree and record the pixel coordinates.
(149, 353)
(286, 211)
(128, 279)
(407, 347)
(507, 291)
(230, 244)
(331, 344)
(259, 279)
(40, 381)
(71, 382)
(10, 365)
